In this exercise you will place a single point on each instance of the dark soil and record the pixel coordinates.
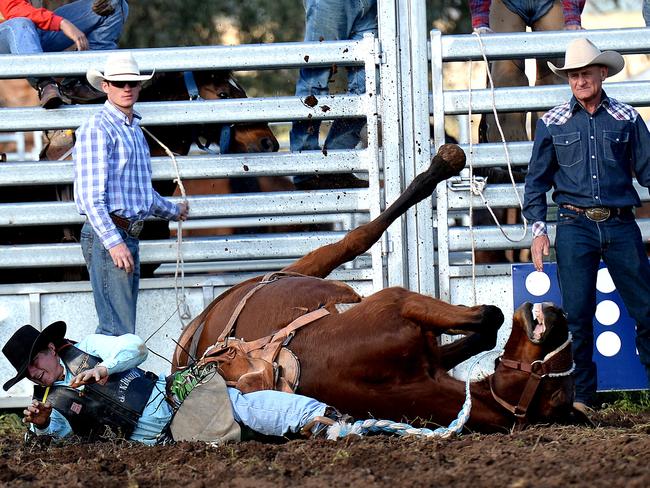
(612, 454)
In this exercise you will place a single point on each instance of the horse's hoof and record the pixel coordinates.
(453, 155)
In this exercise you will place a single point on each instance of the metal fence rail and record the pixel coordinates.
(287, 206)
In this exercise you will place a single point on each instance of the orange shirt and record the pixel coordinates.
(42, 17)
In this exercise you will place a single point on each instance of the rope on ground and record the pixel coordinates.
(182, 307)
(363, 427)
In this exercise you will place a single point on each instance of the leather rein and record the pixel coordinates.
(557, 363)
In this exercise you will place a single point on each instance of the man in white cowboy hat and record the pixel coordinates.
(82, 24)
(587, 150)
(112, 188)
(94, 389)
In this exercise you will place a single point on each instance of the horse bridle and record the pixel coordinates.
(225, 134)
(557, 363)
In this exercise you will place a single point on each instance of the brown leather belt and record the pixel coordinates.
(132, 227)
(597, 214)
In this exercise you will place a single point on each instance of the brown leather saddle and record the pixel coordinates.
(262, 364)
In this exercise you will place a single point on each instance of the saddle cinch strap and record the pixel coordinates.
(189, 340)
(263, 364)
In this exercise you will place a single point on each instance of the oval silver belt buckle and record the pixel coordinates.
(598, 214)
(135, 228)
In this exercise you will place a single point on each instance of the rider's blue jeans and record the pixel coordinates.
(646, 12)
(580, 245)
(115, 291)
(274, 412)
(20, 36)
(330, 20)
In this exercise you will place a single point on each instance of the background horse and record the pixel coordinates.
(380, 356)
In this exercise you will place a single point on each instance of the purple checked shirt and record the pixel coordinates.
(113, 174)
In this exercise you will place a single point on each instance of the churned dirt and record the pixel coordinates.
(612, 454)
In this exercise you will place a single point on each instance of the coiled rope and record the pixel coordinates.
(362, 427)
(477, 186)
(182, 307)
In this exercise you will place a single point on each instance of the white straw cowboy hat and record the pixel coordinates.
(582, 52)
(120, 66)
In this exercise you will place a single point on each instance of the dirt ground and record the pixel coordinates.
(612, 454)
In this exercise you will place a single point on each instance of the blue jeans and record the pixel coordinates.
(580, 244)
(272, 412)
(20, 36)
(115, 291)
(332, 20)
(646, 12)
(530, 11)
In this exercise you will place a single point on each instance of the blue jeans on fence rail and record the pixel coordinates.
(115, 291)
(580, 244)
(20, 36)
(330, 20)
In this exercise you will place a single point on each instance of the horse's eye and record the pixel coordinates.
(223, 95)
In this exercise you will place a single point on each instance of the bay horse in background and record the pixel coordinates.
(379, 356)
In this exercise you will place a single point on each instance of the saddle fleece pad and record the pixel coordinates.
(206, 415)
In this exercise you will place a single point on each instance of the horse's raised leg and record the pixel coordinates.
(449, 161)
(480, 325)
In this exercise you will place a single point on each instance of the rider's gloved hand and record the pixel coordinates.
(103, 7)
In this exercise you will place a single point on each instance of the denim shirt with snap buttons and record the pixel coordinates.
(588, 159)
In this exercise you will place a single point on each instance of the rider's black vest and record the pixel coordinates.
(109, 410)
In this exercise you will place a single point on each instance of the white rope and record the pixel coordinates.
(472, 180)
(184, 314)
(476, 189)
(361, 427)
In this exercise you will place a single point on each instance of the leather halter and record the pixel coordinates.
(555, 364)
(225, 134)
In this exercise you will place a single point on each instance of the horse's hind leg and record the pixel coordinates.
(449, 161)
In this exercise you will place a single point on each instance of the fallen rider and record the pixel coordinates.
(94, 389)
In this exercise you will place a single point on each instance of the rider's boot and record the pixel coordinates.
(328, 425)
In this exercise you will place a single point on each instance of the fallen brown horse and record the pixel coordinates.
(380, 357)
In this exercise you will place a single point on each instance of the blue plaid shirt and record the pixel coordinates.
(113, 174)
(589, 159)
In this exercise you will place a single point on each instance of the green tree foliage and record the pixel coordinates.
(160, 23)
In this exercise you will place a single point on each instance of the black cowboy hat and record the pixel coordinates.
(26, 343)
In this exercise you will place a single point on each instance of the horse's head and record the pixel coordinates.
(533, 377)
(242, 138)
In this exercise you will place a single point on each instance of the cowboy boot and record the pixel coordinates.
(332, 421)
(49, 94)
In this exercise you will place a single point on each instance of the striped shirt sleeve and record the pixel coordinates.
(92, 157)
(164, 208)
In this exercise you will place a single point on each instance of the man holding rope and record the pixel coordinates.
(112, 188)
(95, 390)
(587, 150)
